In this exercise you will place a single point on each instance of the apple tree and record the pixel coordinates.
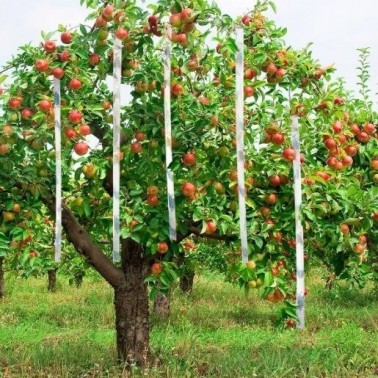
(279, 81)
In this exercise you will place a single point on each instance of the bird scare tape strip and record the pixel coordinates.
(240, 139)
(58, 171)
(168, 137)
(298, 223)
(117, 70)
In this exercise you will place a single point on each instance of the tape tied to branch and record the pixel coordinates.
(117, 71)
(58, 170)
(298, 223)
(240, 140)
(168, 137)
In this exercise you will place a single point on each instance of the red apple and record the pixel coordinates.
(70, 133)
(45, 106)
(188, 189)
(330, 143)
(347, 161)
(246, 20)
(49, 46)
(189, 159)
(65, 56)
(248, 91)
(363, 137)
(351, 150)
(26, 113)
(369, 128)
(81, 148)
(139, 136)
(94, 59)
(187, 16)
(41, 65)
(75, 116)
(177, 90)
(275, 180)
(153, 200)
(136, 147)
(374, 164)
(66, 38)
(344, 228)
(288, 154)
(85, 129)
(278, 139)
(156, 269)
(175, 20)
(210, 227)
(75, 84)
(58, 72)
(337, 127)
(250, 74)
(162, 247)
(271, 199)
(121, 33)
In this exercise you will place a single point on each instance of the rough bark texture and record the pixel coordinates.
(131, 307)
(51, 280)
(186, 282)
(162, 305)
(2, 277)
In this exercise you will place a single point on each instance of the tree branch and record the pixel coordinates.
(84, 245)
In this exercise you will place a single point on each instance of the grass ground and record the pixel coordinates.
(215, 332)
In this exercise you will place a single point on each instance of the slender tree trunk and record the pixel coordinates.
(51, 280)
(162, 305)
(186, 282)
(78, 278)
(131, 307)
(2, 277)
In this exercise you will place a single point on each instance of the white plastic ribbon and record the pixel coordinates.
(117, 71)
(298, 224)
(168, 137)
(240, 140)
(58, 171)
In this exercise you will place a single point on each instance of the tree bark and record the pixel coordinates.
(186, 282)
(162, 305)
(131, 307)
(78, 278)
(2, 277)
(51, 280)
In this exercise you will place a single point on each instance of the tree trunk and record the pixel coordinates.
(131, 307)
(78, 278)
(162, 305)
(52, 280)
(1, 277)
(186, 282)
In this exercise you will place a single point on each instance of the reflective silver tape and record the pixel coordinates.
(58, 171)
(240, 140)
(168, 137)
(298, 224)
(117, 71)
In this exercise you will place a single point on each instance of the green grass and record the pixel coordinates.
(215, 332)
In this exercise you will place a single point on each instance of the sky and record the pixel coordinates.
(335, 27)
